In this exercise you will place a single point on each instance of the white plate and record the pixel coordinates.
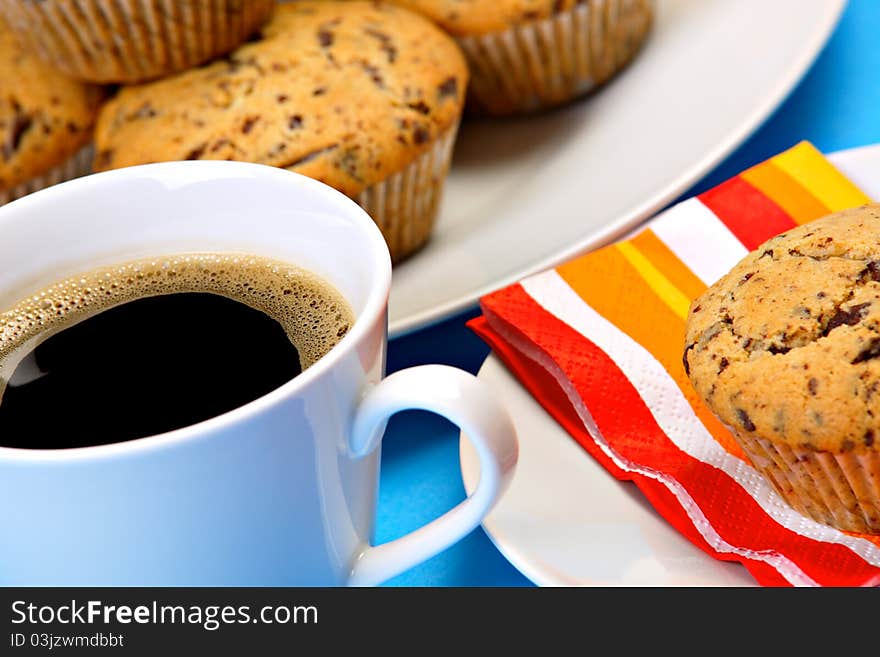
(566, 521)
(524, 195)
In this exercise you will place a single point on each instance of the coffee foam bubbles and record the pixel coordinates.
(314, 314)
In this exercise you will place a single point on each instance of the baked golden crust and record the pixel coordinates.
(785, 349)
(44, 117)
(348, 93)
(472, 17)
(787, 345)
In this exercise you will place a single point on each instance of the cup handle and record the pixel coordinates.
(466, 401)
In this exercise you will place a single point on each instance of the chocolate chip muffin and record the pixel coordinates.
(528, 55)
(133, 40)
(363, 96)
(46, 122)
(785, 350)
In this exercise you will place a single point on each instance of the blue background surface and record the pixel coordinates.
(835, 106)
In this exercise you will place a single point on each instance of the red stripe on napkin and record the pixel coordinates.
(749, 215)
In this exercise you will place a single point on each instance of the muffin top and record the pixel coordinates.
(348, 93)
(44, 117)
(473, 17)
(787, 344)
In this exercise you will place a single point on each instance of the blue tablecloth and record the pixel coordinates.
(836, 106)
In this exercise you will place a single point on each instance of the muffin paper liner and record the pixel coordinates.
(545, 63)
(598, 342)
(405, 205)
(78, 164)
(839, 489)
(133, 40)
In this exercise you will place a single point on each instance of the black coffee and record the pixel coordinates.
(151, 346)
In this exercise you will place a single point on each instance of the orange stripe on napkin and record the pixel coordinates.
(796, 201)
(668, 263)
(628, 301)
(807, 166)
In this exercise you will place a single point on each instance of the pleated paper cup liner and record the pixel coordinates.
(840, 489)
(133, 40)
(545, 63)
(78, 164)
(405, 205)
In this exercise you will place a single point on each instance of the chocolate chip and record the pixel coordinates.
(722, 365)
(869, 352)
(684, 358)
(21, 123)
(319, 91)
(448, 88)
(768, 252)
(385, 43)
(849, 317)
(871, 272)
(773, 349)
(374, 74)
(295, 122)
(745, 420)
(325, 38)
(249, 123)
(420, 107)
(813, 386)
(420, 135)
(282, 98)
(869, 438)
(197, 152)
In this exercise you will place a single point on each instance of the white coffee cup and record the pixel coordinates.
(281, 491)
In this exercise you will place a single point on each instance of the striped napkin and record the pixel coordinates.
(598, 342)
